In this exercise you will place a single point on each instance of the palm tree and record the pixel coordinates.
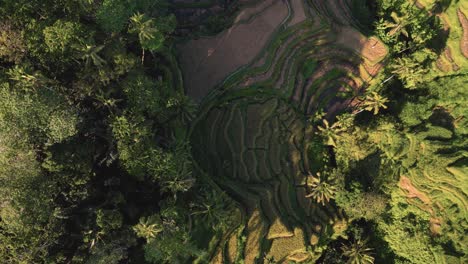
(183, 106)
(210, 208)
(373, 102)
(409, 71)
(329, 132)
(143, 26)
(22, 75)
(399, 24)
(177, 184)
(148, 228)
(147, 32)
(321, 189)
(89, 53)
(106, 99)
(358, 252)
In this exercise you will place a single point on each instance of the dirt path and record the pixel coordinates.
(206, 62)
(412, 192)
(463, 41)
(448, 56)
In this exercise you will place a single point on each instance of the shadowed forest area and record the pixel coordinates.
(233, 131)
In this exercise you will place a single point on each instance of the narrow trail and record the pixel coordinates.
(464, 40)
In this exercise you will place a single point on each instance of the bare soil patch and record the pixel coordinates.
(448, 55)
(373, 70)
(256, 230)
(443, 65)
(299, 12)
(435, 226)
(283, 247)
(371, 48)
(232, 248)
(419, 5)
(206, 62)
(412, 192)
(374, 50)
(464, 40)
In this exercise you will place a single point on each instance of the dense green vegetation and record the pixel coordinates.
(104, 159)
(405, 166)
(92, 125)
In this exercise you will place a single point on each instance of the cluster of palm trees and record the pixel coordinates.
(150, 37)
(322, 189)
(371, 102)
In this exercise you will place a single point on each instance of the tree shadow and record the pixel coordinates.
(441, 117)
(439, 42)
(366, 171)
(360, 228)
(441, 6)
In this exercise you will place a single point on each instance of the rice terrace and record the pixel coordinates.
(252, 135)
(234, 131)
(252, 132)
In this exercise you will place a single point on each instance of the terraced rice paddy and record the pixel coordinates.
(440, 190)
(207, 61)
(454, 19)
(249, 137)
(255, 152)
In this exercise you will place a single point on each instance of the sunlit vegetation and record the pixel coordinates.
(343, 141)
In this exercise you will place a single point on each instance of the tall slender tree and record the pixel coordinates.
(358, 252)
(373, 102)
(321, 189)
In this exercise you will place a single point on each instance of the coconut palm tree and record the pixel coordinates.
(89, 53)
(329, 132)
(143, 26)
(212, 208)
(409, 71)
(373, 102)
(358, 252)
(183, 107)
(398, 26)
(322, 190)
(148, 34)
(148, 228)
(107, 99)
